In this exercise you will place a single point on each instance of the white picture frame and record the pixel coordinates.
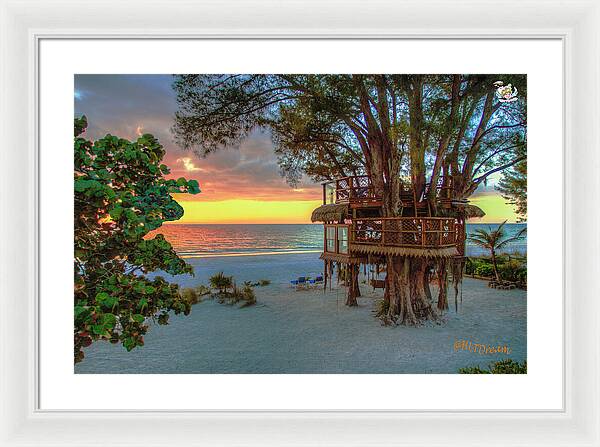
(24, 24)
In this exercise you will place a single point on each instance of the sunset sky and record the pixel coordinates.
(239, 184)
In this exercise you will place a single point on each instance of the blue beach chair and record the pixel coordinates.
(302, 283)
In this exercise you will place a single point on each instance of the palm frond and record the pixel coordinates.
(501, 226)
(505, 242)
(481, 242)
(482, 234)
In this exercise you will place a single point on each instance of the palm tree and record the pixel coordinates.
(494, 241)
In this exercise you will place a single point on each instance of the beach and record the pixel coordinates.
(312, 331)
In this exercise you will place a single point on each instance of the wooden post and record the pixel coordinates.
(350, 234)
(423, 239)
(324, 194)
(330, 274)
(415, 201)
(337, 240)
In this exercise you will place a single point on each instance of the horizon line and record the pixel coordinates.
(298, 223)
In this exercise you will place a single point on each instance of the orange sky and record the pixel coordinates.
(299, 211)
(247, 211)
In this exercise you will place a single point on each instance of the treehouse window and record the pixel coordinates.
(330, 239)
(343, 239)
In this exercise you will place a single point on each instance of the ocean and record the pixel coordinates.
(202, 241)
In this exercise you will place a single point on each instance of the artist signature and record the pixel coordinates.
(480, 348)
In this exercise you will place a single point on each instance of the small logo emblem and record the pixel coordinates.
(505, 93)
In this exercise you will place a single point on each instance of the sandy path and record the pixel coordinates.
(312, 331)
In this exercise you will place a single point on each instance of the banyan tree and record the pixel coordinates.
(398, 156)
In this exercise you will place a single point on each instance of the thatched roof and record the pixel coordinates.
(344, 259)
(446, 252)
(330, 213)
(473, 211)
(469, 210)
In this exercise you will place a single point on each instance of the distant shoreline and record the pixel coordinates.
(254, 253)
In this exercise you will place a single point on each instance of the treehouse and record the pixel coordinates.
(356, 232)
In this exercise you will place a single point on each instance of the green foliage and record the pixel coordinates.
(473, 263)
(494, 240)
(485, 270)
(513, 270)
(120, 196)
(247, 296)
(513, 186)
(510, 267)
(202, 290)
(507, 366)
(191, 296)
(261, 283)
(322, 125)
(221, 282)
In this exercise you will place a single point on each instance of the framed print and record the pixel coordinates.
(319, 229)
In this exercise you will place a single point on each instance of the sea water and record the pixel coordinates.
(199, 240)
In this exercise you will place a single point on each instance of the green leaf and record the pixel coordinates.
(81, 185)
(139, 287)
(129, 343)
(109, 320)
(106, 300)
(193, 187)
(142, 304)
(138, 318)
(99, 329)
(116, 212)
(81, 312)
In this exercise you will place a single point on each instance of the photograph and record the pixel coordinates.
(300, 223)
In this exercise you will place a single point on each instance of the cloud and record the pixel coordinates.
(129, 105)
(188, 164)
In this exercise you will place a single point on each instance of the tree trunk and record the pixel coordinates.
(356, 282)
(405, 297)
(442, 277)
(458, 266)
(426, 283)
(353, 289)
(495, 265)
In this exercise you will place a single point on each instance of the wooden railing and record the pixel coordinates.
(422, 232)
(360, 189)
(355, 189)
(444, 188)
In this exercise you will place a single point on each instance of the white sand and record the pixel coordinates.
(291, 331)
